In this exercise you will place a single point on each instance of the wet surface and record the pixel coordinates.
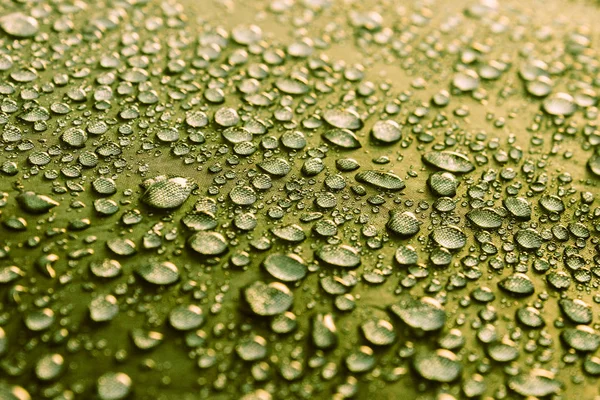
(299, 199)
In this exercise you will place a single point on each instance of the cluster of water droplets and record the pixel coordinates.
(191, 210)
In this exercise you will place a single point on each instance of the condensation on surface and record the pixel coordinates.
(299, 199)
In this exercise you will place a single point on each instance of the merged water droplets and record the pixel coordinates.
(485, 218)
(503, 351)
(517, 284)
(243, 195)
(404, 224)
(538, 383)
(379, 332)
(186, 317)
(49, 367)
(114, 386)
(285, 267)
(518, 207)
(343, 138)
(146, 340)
(581, 338)
(528, 239)
(159, 273)
(450, 237)
(425, 314)
(277, 167)
(289, 233)
(406, 255)
(439, 366)
(343, 119)
(36, 203)
(594, 164)
(339, 255)
(163, 192)
(208, 243)
(560, 104)
(443, 184)
(578, 311)
(268, 299)
(381, 180)
(19, 25)
(103, 308)
(449, 161)
(530, 317)
(386, 132)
